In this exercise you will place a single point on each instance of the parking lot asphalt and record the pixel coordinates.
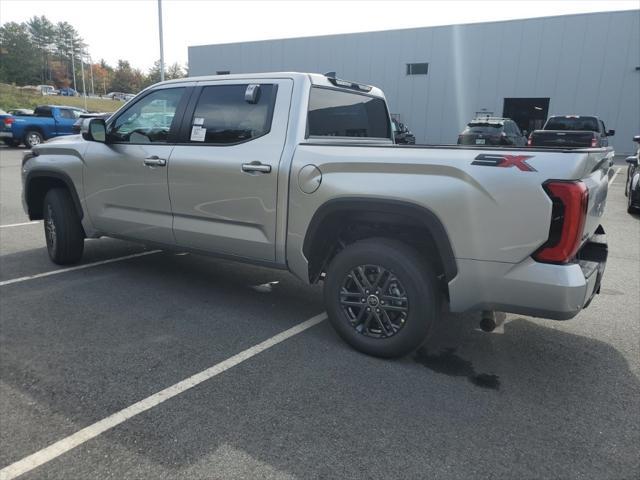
(534, 399)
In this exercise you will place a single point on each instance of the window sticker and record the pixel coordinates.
(198, 133)
(198, 121)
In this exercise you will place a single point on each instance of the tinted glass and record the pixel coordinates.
(149, 120)
(334, 113)
(71, 114)
(572, 123)
(483, 127)
(43, 112)
(224, 116)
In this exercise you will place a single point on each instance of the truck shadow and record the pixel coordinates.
(307, 394)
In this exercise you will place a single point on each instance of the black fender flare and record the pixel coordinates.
(420, 215)
(45, 173)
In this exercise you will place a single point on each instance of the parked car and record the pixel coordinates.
(47, 121)
(20, 111)
(310, 180)
(573, 131)
(47, 90)
(123, 97)
(632, 186)
(77, 126)
(401, 134)
(67, 92)
(492, 131)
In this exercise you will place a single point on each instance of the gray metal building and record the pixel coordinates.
(437, 78)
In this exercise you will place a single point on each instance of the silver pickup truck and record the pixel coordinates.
(299, 172)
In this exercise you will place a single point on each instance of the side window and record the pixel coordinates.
(148, 120)
(334, 113)
(604, 130)
(70, 114)
(228, 114)
(43, 112)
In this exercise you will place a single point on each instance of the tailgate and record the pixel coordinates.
(597, 182)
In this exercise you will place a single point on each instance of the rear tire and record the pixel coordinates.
(381, 297)
(62, 228)
(33, 138)
(632, 204)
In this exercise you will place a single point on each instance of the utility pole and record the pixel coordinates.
(161, 41)
(84, 89)
(73, 64)
(93, 92)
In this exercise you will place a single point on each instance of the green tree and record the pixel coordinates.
(19, 58)
(175, 71)
(69, 46)
(124, 77)
(42, 33)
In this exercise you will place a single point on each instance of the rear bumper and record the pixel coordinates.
(531, 288)
(6, 134)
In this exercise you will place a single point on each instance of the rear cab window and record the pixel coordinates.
(489, 128)
(338, 113)
(572, 124)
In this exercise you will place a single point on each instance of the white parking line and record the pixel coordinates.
(62, 446)
(19, 224)
(615, 175)
(79, 267)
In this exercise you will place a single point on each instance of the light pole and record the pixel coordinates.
(161, 41)
(73, 64)
(84, 89)
(93, 92)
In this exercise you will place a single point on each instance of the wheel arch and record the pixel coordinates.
(333, 216)
(39, 182)
(33, 128)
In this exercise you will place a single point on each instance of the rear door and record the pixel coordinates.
(223, 175)
(65, 118)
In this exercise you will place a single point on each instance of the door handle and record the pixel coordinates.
(256, 167)
(155, 161)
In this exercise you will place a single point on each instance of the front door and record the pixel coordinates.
(125, 179)
(223, 178)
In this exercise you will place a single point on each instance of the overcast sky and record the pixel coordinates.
(128, 29)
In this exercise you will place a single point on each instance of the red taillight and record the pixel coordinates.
(568, 216)
(594, 142)
(8, 121)
(529, 141)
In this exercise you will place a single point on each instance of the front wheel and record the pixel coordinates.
(62, 227)
(381, 297)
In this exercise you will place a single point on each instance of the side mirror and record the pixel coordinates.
(611, 133)
(636, 138)
(633, 160)
(94, 130)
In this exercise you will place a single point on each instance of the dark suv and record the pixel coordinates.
(492, 131)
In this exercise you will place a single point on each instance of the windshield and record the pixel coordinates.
(572, 123)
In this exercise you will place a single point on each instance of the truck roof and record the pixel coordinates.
(315, 78)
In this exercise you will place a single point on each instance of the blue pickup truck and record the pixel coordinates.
(47, 121)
